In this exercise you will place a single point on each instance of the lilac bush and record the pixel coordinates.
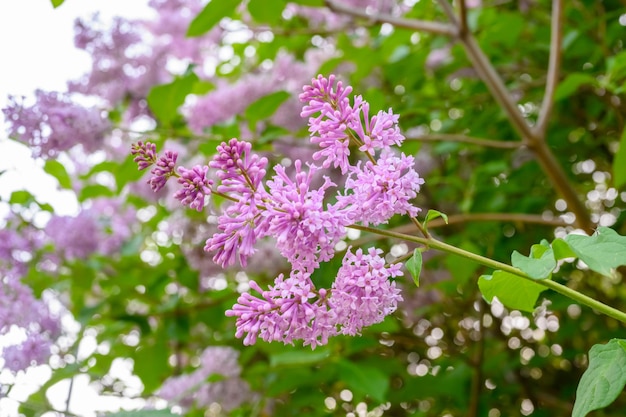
(195, 389)
(19, 308)
(54, 123)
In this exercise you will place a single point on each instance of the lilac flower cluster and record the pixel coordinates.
(230, 99)
(101, 228)
(374, 190)
(34, 350)
(54, 124)
(196, 186)
(292, 309)
(306, 229)
(19, 309)
(230, 391)
(132, 56)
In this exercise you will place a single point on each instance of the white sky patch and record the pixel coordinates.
(37, 46)
(37, 52)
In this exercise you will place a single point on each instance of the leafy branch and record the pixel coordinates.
(516, 272)
(534, 138)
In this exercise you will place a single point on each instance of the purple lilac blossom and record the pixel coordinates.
(115, 223)
(129, 57)
(164, 169)
(19, 307)
(239, 170)
(192, 389)
(169, 30)
(34, 350)
(145, 154)
(376, 189)
(292, 211)
(74, 237)
(228, 100)
(54, 124)
(14, 245)
(362, 293)
(101, 228)
(292, 309)
(330, 128)
(239, 227)
(241, 224)
(124, 65)
(283, 313)
(196, 186)
(376, 192)
(379, 132)
(305, 232)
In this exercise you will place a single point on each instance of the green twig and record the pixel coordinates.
(555, 286)
(447, 137)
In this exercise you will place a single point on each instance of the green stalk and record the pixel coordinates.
(560, 288)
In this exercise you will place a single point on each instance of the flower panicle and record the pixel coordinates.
(293, 309)
(239, 170)
(291, 208)
(196, 186)
(335, 124)
(164, 169)
(145, 154)
(195, 183)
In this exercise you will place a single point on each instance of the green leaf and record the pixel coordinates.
(571, 84)
(93, 191)
(299, 357)
(56, 3)
(364, 379)
(202, 87)
(512, 291)
(264, 11)
(21, 197)
(105, 166)
(58, 171)
(143, 413)
(414, 265)
(312, 3)
(562, 250)
(151, 364)
(164, 100)
(507, 29)
(264, 107)
(603, 251)
(540, 263)
(329, 66)
(603, 380)
(619, 163)
(433, 214)
(127, 172)
(210, 16)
